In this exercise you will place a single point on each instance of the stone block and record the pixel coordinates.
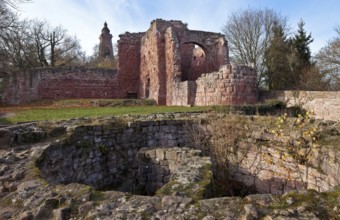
(160, 154)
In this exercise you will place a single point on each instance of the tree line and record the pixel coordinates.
(283, 60)
(34, 43)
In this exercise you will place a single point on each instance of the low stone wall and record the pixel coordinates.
(59, 83)
(324, 104)
(231, 85)
(20, 134)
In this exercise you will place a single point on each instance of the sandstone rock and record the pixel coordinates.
(62, 213)
(260, 199)
(27, 188)
(44, 212)
(3, 169)
(18, 174)
(26, 216)
(251, 212)
(208, 217)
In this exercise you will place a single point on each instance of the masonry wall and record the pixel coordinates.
(324, 104)
(168, 55)
(152, 72)
(231, 85)
(173, 67)
(60, 83)
(129, 52)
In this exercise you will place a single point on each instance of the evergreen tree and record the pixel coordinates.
(305, 75)
(276, 59)
(301, 43)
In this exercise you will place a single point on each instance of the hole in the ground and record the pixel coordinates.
(141, 172)
(112, 158)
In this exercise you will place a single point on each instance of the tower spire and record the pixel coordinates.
(105, 45)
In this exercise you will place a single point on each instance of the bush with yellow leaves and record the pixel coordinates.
(299, 138)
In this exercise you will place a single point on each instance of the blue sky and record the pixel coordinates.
(85, 18)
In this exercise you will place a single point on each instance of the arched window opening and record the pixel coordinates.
(193, 61)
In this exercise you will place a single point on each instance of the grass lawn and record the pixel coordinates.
(59, 111)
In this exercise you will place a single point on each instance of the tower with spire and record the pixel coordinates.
(105, 45)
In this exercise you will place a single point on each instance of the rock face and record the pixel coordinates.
(60, 175)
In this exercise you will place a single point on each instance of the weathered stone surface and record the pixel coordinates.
(324, 105)
(33, 197)
(60, 83)
(217, 89)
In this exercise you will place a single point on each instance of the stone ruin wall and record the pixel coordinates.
(129, 52)
(90, 145)
(152, 65)
(324, 104)
(162, 63)
(59, 83)
(170, 62)
(230, 85)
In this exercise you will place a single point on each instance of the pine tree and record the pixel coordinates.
(301, 43)
(305, 73)
(276, 60)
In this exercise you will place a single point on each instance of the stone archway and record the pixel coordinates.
(193, 61)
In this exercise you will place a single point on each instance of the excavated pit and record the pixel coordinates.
(139, 158)
(141, 172)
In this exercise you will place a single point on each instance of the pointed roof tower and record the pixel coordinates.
(105, 45)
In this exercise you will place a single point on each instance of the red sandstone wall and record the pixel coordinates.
(149, 67)
(231, 85)
(186, 58)
(159, 59)
(61, 83)
(168, 55)
(129, 52)
(198, 64)
(173, 58)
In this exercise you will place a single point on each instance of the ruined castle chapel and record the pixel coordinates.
(168, 63)
(177, 66)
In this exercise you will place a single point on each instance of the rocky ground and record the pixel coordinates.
(24, 194)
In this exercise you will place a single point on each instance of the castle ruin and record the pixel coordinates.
(168, 63)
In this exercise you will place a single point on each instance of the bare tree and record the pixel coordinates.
(248, 33)
(9, 24)
(328, 60)
(37, 44)
(14, 3)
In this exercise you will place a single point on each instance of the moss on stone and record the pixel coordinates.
(194, 190)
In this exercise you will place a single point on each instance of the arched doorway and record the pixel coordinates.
(193, 61)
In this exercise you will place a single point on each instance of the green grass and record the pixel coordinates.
(39, 114)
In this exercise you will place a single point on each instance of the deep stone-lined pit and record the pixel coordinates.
(123, 156)
(142, 173)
